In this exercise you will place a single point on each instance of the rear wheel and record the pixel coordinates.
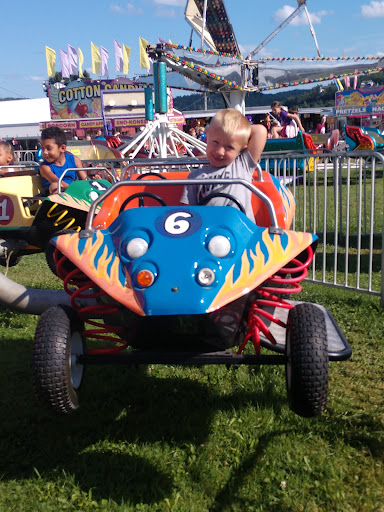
(57, 374)
(307, 360)
(10, 262)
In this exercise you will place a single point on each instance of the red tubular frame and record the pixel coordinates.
(255, 323)
(85, 289)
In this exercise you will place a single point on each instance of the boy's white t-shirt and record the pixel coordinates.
(242, 167)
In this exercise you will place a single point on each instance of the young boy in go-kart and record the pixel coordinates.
(6, 157)
(56, 160)
(233, 149)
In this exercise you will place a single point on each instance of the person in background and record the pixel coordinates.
(7, 157)
(56, 160)
(284, 118)
(320, 128)
(99, 135)
(233, 149)
(200, 133)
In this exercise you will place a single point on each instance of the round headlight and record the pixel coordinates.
(206, 276)
(219, 246)
(137, 247)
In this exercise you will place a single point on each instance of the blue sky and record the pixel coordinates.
(352, 28)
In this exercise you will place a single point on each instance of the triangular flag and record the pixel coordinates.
(126, 56)
(81, 62)
(118, 57)
(64, 64)
(72, 58)
(96, 62)
(104, 56)
(50, 56)
(144, 61)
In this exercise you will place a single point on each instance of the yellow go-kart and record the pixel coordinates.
(28, 219)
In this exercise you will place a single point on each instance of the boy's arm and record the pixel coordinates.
(46, 173)
(82, 175)
(257, 140)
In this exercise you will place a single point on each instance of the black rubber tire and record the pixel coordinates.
(13, 260)
(306, 369)
(57, 378)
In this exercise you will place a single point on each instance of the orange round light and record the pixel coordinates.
(145, 278)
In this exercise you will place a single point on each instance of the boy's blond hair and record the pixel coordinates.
(232, 122)
(8, 148)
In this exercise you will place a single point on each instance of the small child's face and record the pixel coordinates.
(222, 149)
(5, 156)
(51, 150)
(276, 110)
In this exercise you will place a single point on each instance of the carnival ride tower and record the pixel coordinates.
(223, 70)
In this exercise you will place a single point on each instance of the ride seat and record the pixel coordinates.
(360, 140)
(260, 210)
(111, 206)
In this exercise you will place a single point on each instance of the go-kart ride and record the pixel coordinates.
(362, 138)
(28, 220)
(189, 285)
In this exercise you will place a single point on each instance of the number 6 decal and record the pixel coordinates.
(178, 223)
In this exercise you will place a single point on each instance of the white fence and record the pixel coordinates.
(339, 196)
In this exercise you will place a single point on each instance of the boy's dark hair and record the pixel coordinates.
(276, 104)
(56, 133)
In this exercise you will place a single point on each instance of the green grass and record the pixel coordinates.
(168, 438)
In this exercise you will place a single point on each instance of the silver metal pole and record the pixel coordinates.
(204, 22)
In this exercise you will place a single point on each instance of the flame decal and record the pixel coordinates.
(66, 199)
(103, 269)
(263, 265)
(289, 205)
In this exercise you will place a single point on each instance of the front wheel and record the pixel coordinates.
(57, 374)
(306, 369)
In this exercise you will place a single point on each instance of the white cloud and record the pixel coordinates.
(36, 78)
(129, 9)
(175, 3)
(373, 10)
(245, 49)
(301, 19)
(165, 12)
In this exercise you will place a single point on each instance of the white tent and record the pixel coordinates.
(20, 118)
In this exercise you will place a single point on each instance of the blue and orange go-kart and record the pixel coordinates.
(28, 219)
(189, 285)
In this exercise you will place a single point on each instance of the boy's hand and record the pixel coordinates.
(53, 188)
